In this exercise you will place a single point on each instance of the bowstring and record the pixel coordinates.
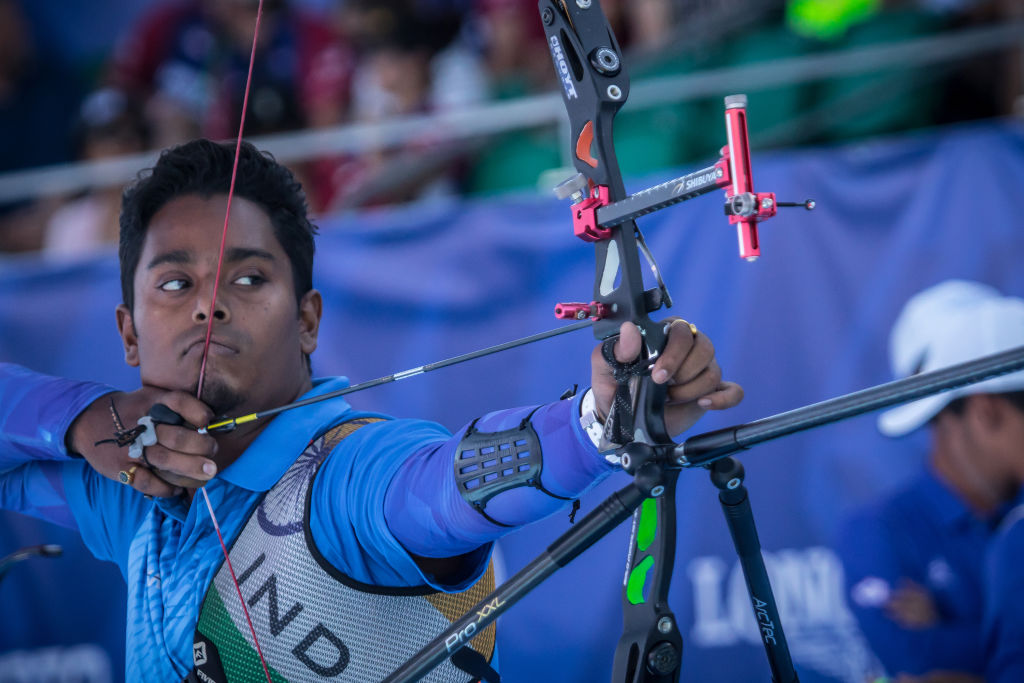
(209, 330)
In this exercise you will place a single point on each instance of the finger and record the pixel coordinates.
(191, 466)
(184, 440)
(705, 383)
(147, 483)
(701, 356)
(726, 395)
(179, 481)
(189, 407)
(676, 355)
(627, 348)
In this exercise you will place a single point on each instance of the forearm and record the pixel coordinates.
(37, 489)
(36, 412)
(429, 515)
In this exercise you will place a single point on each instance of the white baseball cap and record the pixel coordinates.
(950, 323)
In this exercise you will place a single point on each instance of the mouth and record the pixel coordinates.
(216, 347)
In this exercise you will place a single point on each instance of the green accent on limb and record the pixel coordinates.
(647, 528)
(637, 580)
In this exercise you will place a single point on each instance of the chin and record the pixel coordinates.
(222, 398)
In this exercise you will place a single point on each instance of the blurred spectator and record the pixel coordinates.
(1004, 578)
(894, 99)
(914, 562)
(34, 98)
(410, 60)
(37, 103)
(517, 59)
(110, 125)
(518, 63)
(998, 423)
(188, 60)
(987, 84)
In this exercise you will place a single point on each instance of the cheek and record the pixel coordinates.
(274, 320)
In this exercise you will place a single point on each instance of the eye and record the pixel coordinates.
(250, 280)
(175, 285)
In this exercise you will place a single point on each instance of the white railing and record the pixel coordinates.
(528, 112)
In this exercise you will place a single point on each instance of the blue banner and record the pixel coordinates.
(806, 322)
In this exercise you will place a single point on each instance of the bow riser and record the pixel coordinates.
(595, 85)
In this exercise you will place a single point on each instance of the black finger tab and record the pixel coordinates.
(161, 414)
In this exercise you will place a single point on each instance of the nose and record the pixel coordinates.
(201, 312)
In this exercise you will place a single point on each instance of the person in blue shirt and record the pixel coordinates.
(354, 538)
(915, 562)
(1004, 585)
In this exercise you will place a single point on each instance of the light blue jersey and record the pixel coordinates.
(366, 505)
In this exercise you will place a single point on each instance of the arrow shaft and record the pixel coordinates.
(227, 425)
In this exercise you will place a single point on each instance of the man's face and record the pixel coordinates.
(259, 333)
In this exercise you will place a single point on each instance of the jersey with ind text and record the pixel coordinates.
(312, 621)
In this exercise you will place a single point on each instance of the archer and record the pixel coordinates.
(336, 519)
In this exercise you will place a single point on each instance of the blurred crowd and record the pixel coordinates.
(179, 69)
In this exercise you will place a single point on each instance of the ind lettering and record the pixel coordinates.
(244, 576)
(269, 588)
(340, 652)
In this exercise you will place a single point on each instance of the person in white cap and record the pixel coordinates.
(915, 562)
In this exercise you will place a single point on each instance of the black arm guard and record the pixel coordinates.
(489, 463)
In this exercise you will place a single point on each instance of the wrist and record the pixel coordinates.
(592, 423)
(93, 424)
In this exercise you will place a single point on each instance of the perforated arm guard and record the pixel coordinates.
(489, 463)
(434, 509)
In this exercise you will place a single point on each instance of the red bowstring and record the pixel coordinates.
(209, 329)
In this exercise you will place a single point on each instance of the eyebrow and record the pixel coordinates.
(232, 255)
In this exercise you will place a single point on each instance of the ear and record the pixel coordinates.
(311, 307)
(129, 338)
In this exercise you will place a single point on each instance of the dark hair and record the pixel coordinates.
(959, 404)
(203, 167)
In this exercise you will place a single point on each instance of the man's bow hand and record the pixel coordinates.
(180, 458)
(687, 365)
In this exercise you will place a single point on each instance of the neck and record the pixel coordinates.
(229, 449)
(231, 445)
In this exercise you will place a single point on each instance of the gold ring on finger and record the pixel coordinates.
(693, 328)
(128, 477)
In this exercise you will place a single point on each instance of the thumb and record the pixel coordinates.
(627, 348)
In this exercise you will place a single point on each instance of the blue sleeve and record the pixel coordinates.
(428, 514)
(873, 553)
(347, 517)
(37, 489)
(36, 411)
(368, 529)
(72, 494)
(1004, 595)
